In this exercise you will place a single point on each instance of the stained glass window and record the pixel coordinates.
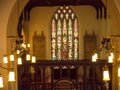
(64, 35)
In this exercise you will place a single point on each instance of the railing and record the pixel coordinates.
(63, 75)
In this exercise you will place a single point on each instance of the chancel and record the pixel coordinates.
(60, 45)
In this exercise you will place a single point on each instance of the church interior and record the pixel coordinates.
(60, 45)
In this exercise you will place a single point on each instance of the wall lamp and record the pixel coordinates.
(11, 77)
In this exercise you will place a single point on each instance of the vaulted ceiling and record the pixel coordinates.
(97, 4)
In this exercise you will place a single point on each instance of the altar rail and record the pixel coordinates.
(63, 75)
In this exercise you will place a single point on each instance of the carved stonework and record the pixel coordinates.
(39, 45)
(90, 44)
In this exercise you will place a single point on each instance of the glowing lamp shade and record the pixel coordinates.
(106, 75)
(119, 72)
(11, 76)
(19, 61)
(1, 82)
(33, 59)
(28, 45)
(28, 57)
(23, 45)
(11, 57)
(18, 51)
(5, 59)
(94, 57)
(110, 59)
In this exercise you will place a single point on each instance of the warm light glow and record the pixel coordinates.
(119, 72)
(112, 55)
(11, 76)
(106, 75)
(23, 45)
(28, 57)
(18, 51)
(11, 57)
(94, 57)
(5, 59)
(110, 59)
(19, 61)
(33, 59)
(1, 82)
(28, 45)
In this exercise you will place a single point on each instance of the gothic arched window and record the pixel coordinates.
(64, 35)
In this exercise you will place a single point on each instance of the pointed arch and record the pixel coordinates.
(64, 34)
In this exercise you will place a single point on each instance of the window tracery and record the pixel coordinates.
(64, 35)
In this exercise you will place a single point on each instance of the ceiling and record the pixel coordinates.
(97, 4)
(33, 3)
